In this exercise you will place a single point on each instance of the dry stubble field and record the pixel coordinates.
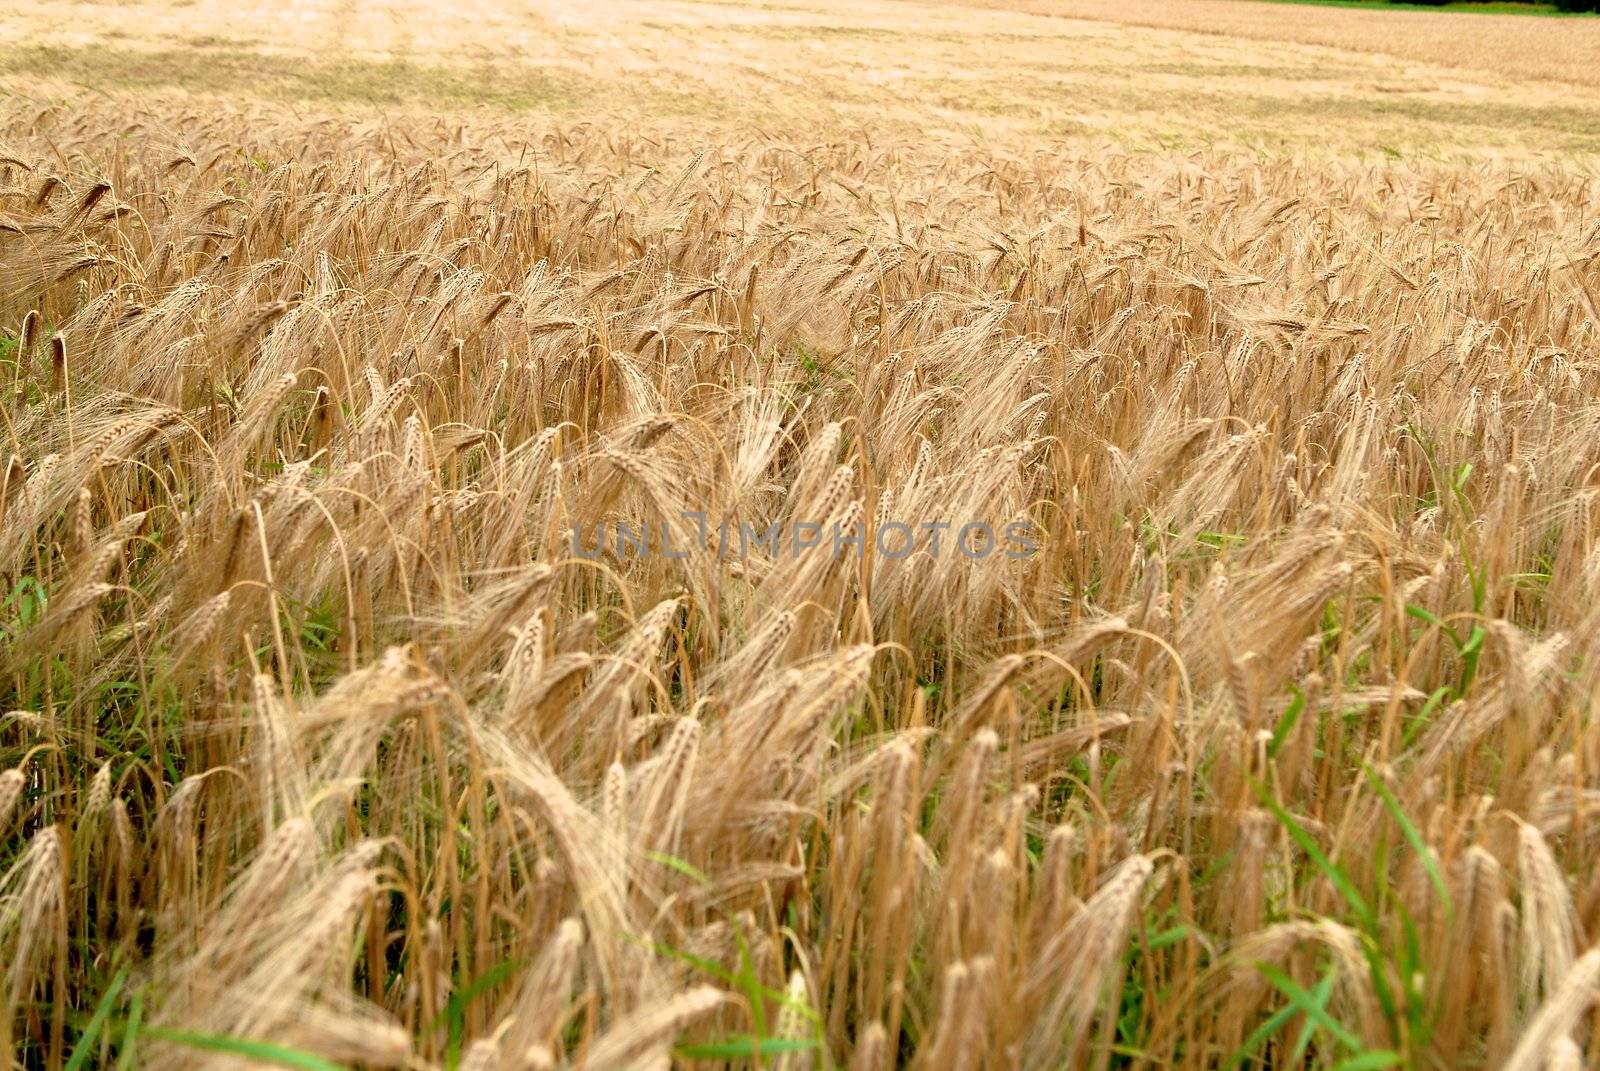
(323, 326)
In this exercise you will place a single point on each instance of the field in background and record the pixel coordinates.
(1512, 46)
(1128, 74)
(331, 333)
(1475, 7)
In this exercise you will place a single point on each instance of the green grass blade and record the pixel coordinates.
(1278, 1020)
(688, 870)
(1308, 844)
(102, 1012)
(1469, 657)
(1307, 1005)
(1286, 723)
(1413, 837)
(1375, 954)
(455, 1009)
(461, 998)
(741, 1046)
(1322, 994)
(1371, 1060)
(1167, 937)
(715, 970)
(1425, 615)
(1416, 724)
(130, 1034)
(260, 1051)
(750, 983)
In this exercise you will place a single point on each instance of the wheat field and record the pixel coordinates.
(1519, 48)
(382, 687)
